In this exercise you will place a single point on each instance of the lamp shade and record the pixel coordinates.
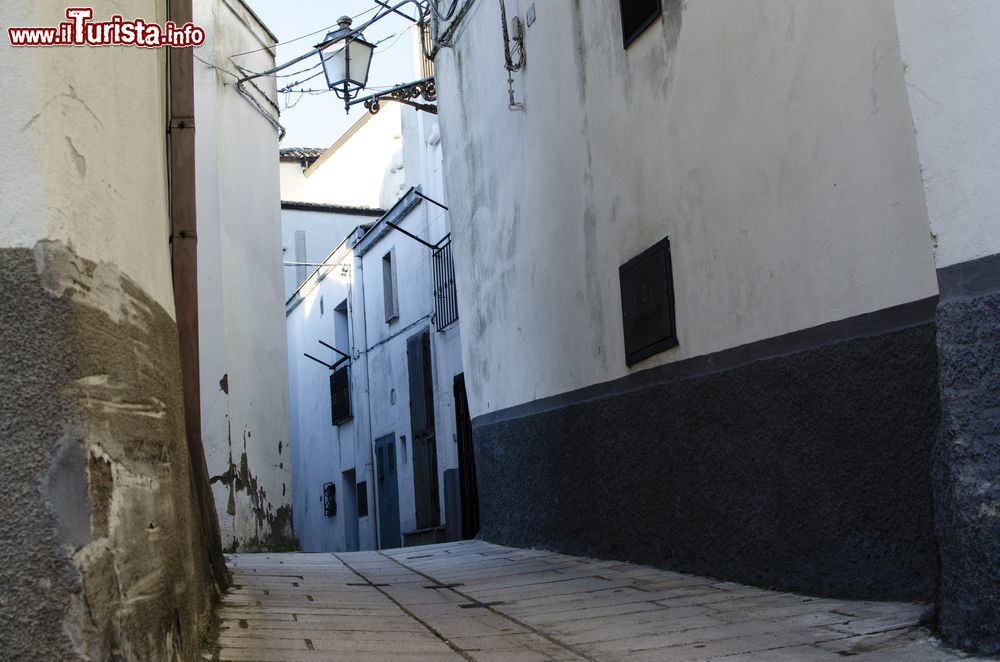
(346, 59)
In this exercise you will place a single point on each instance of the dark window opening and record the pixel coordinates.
(340, 395)
(637, 15)
(330, 499)
(390, 297)
(362, 499)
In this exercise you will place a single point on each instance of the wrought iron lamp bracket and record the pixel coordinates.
(406, 94)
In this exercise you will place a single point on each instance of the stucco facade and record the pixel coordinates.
(244, 383)
(789, 434)
(343, 304)
(103, 552)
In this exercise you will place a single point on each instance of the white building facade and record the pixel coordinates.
(716, 312)
(375, 368)
(244, 383)
(379, 420)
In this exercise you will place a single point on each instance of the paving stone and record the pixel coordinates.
(494, 603)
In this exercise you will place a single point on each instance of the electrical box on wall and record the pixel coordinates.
(647, 287)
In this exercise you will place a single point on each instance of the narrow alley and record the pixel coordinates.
(479, 601)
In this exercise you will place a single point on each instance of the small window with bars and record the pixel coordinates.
(340, 395)
(637, 15)
(330, 499)
(445, 298)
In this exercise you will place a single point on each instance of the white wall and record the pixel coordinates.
(81, 120)
(769, 140)
(952, 55)
(245, 431)
(317, 456)
(323, 232)
(356, 169)
(388, 367)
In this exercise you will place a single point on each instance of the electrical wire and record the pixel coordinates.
(291, 41)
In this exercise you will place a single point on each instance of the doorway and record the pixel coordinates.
(351, 529)
(425, 464)
(466, 462)
(388, 492)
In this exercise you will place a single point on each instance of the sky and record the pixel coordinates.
(317, 120)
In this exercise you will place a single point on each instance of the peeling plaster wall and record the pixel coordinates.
(244, 379)
(769, 140)
(101, 552)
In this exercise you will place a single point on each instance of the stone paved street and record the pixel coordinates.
(478, 601)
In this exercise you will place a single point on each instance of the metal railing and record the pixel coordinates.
(445, 298)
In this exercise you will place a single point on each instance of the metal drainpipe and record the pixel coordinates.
(184, 258)
(359, 278)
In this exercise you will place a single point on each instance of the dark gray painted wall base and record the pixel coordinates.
(808, 471)
(967, 456)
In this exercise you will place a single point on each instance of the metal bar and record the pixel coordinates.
(334, 349)
(398, 88)
(324, 363)
(437, 289)
(430, 200)
(395, 11)
(442, 242)
(410, 235)
(340, 362)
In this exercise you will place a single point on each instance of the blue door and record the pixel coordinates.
(388, 492)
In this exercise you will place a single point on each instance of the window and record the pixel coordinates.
(637, 15)
(390, 297)
(341, 330)
(445, 298)
(330, 499)
(362, 489)
(340, 395)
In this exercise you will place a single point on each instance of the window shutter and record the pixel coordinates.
(418, 355)
(340, 395)
(637, 15)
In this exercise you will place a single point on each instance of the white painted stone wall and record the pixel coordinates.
(379, 373)
(323, 233)
(321, 451)
(951, 51)
(243, 346)
(356, 170)
(387, 357)
(771, 141)
(81, 120)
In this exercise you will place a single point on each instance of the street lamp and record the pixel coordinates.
(346, 58)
